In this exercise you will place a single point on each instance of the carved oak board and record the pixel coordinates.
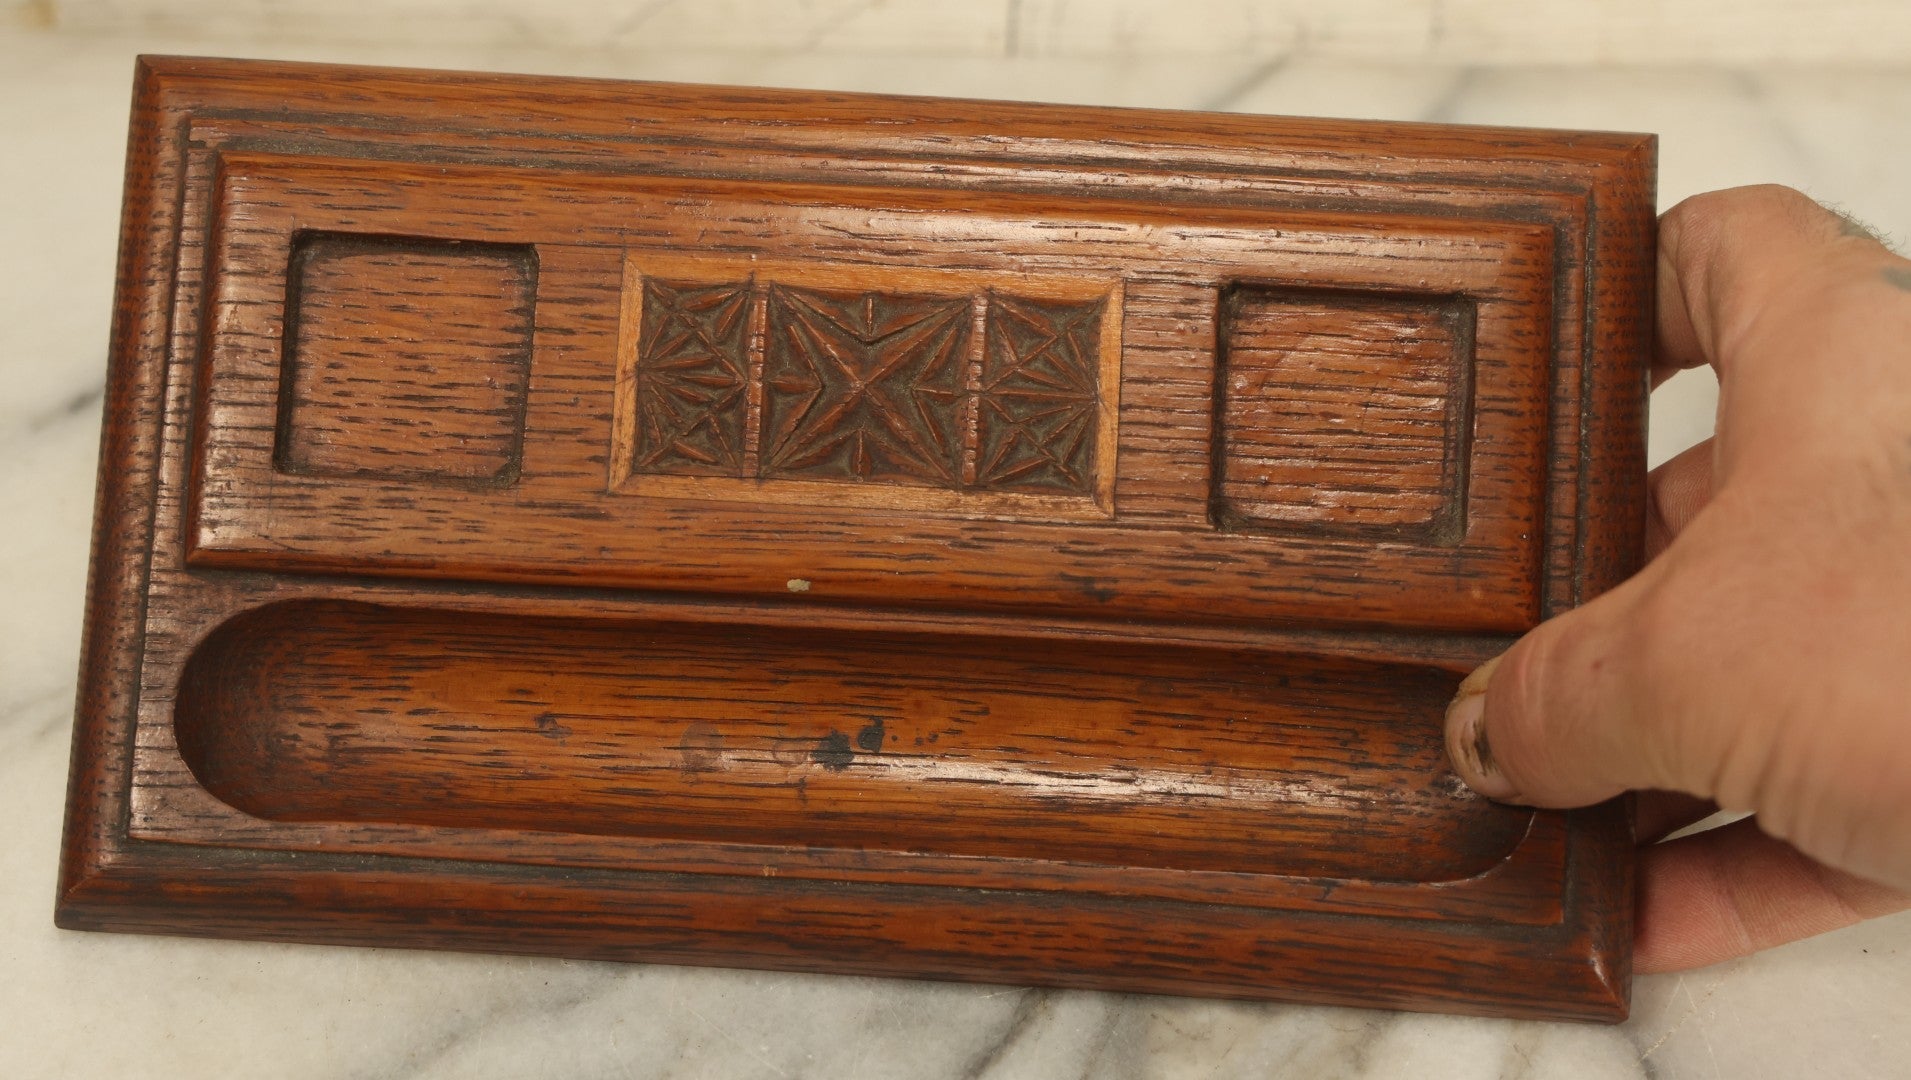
(856, 534)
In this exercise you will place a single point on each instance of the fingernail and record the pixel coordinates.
(1466, 737)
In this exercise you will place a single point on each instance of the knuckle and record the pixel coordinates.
(1702, 224)
(1730, 203)
(1696, 221)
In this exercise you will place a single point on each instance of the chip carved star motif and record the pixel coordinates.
(865, 386)
(1040, 395)
(692, 377)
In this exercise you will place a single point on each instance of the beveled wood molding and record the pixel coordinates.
(829, 532)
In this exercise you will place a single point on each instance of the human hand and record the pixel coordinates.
(1761, 660)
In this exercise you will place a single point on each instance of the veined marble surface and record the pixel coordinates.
(95, 1005)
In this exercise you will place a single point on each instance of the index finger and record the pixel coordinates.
(1724, 254)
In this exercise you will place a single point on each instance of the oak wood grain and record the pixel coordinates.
(1347, 412)
(1128, 756)
(405, 359)
(544, 515)
(1158, 564)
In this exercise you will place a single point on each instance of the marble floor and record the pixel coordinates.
(86, 1005)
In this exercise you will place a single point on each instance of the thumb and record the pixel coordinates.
(1560, 718)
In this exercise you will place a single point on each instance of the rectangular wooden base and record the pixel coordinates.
(858, 534)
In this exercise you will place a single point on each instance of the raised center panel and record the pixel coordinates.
(1084, 408)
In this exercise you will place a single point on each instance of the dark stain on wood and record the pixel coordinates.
(833, 752)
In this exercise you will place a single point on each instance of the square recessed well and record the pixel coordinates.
(406, 358)
(1343, 412)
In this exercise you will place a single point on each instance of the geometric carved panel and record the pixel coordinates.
(692, 376)
(406, 358)
(1038, 402)
(865, 386)
(891, 387)
(1343, 413)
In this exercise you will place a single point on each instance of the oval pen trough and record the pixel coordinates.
(1081, 751)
